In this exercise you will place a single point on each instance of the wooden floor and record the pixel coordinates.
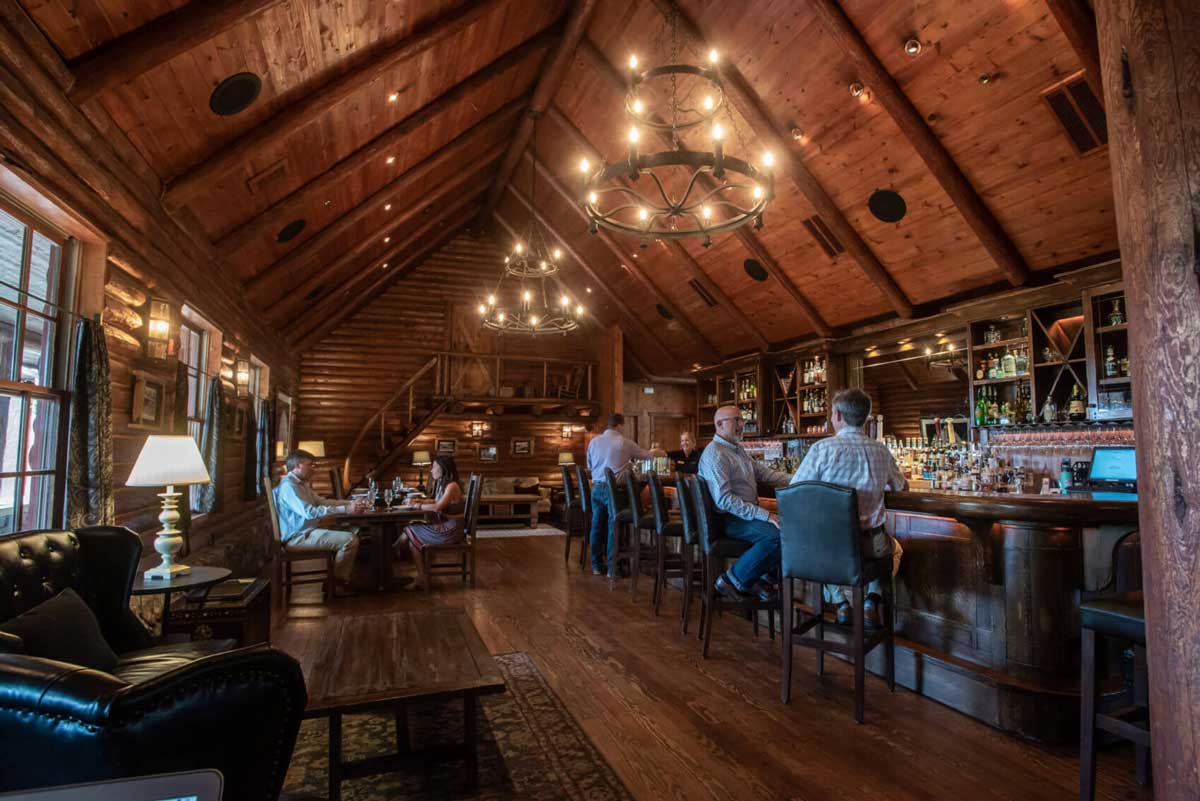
(676, 726)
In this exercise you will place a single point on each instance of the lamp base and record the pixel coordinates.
(167, 572)
(168, 542)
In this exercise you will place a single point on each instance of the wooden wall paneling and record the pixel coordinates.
(269, 135)
(889, 94)
(1078, 24)
(676, 401)
(140, 50)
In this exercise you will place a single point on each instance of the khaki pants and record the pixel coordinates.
(881, 544)
(343, 543)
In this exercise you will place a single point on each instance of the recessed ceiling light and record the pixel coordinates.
(985, 78)
(391, 159)
(387, 207)
(912, 48)
(797, 135)
(589, 290)
(856, 89)
(387, 239)
(328, 203)
(393, 97)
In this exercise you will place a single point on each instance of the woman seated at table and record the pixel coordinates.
(449, 506)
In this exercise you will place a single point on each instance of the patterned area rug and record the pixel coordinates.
(540, 530)
(530, 749)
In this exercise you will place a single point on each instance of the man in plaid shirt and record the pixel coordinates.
(852, 459)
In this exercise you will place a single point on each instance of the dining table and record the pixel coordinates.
(383, 524)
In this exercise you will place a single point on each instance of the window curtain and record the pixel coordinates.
(210, 496)
(263, 446)
(179, 425)
(90, 444)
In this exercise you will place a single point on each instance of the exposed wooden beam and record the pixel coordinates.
(909, 378)
(289, 208)
(738, 91)
(621, 255)
(925, 142)
(1078, 24)
(157, 42)
(673, 246)
(557, 66)
(631, 317)
(272, 132)
(466, 185)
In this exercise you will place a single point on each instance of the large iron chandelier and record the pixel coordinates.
(522, 302)
(692, 193)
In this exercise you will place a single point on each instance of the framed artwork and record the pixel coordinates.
(489, 453)
(237, 421)
(283, 424)
(446, 447)
(521, 447)
(148, 410)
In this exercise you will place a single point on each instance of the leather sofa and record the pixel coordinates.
(163, 708)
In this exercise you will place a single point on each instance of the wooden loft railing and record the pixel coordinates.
(477, 377)
(412, 430)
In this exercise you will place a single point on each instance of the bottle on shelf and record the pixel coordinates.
(1077, 406)
(1022, 362)
(1008, 364)
(1124, 365)
(1110, 364)
(979, 367)
(993, 409)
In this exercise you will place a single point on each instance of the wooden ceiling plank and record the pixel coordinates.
(753, 110)
(675, 247)
(634, 320)
(268, 135)
(933, 153)
(443, 156)
(137, 52)
(558, 64)
(1078, 24)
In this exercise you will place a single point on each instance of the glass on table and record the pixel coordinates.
(388, 494)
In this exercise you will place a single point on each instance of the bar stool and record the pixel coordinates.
(621, 514)
(641, 521)
(573, 518)
(667, 565)
(718, 550)
(693, 568)
(585, 508)
(820, 541)
(1120, 617)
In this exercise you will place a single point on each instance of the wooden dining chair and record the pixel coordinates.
(286, 576)
(463, 564)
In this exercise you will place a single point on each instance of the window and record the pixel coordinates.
(200, 350)
(31, 395)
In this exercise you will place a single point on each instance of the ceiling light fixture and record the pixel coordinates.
(912, 48)
(856, 89)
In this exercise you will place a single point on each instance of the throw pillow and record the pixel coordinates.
(63, 628)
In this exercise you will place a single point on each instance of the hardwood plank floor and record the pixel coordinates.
(676, 726)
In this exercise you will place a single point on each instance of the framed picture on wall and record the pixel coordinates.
(489, 453)
(447, 447)
(521, 447)
(148, 409)
(283, 424)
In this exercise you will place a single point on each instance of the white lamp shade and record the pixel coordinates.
(314, 446)
(566, 458)
(421, 458)
(168, 460)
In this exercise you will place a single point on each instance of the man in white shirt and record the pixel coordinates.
(613, 451)
(852, 459)
(304, 515)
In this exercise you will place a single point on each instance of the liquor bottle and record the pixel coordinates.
(994, 409)
(1009, 364)
(979, 370)
(1110, 364)
(1022, 361)
(979, 415)
(1124, 367)
(1077, 407)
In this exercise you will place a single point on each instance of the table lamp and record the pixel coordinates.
(566, 458)
(168, 461)
(420, 460)
(314, 446)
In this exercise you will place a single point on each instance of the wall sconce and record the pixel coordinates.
(566, 431)
(479, 428)
(243, 378)
(158, 331)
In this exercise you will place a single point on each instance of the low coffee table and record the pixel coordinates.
(391, 660)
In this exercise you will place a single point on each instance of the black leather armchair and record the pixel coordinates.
(163, 708)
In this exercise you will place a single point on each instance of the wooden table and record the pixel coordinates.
(359, 663)
(379, 521)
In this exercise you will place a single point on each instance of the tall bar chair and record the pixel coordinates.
(585, 508)
(667, 564)
(643, 554)
(574, 518)
(622, 519)
(693, 569)
(821, 541)
(718, 550)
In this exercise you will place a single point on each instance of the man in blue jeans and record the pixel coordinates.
(732, 478)
(613, 451)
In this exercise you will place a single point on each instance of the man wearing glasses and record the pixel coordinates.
(732, 478)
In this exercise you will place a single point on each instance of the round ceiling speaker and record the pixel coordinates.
(290, 231)
(887, 205)
(754, 269)
(235, 94)
(664, 312)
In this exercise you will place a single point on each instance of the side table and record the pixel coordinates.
(197, 578)
(246, 618)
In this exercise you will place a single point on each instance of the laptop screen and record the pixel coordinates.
(1113, 464)
(196, 785)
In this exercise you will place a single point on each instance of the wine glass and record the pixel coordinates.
(388, 494)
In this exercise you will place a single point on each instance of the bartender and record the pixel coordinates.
(687, 458)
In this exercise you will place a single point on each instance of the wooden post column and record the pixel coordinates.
(611, 378)
(1150, 57)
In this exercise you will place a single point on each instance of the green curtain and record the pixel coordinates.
(263, 446)
(179, 425)
(90, 445)
(210, 497)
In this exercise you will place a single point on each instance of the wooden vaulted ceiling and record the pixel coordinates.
(390, 128)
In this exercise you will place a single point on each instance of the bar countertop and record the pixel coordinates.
(1077, 508)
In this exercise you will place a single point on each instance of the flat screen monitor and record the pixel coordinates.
(194, 785)
(1113, 464)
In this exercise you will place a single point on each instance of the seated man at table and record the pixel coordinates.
(305, 518)
(732, 478)
(687, 458)
(854, 460)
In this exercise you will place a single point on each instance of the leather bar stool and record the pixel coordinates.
(667, 564)
(643, 553)
(585, 507)
(718, 550)
(693, 568)
(573, 519)
(821, 541)
(621, 514)
(1118, 617)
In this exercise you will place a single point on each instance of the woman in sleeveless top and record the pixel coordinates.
(449, 507)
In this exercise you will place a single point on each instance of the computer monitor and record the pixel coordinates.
(192, 785)
(1113, 465)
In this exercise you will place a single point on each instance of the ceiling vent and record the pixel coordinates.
(825, 238)
(1080, 114)
(708, 299)
(235, 94)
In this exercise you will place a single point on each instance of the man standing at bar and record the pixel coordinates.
(732, 478)
(853, 460)
(613, 451)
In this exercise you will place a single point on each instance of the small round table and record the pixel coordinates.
(197, 577)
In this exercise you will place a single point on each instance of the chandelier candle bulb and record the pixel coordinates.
(633, 153)
(712, 56)
(718, 134)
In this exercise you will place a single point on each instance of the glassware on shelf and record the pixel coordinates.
(1116, 316)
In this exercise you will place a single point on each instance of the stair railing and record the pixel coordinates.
(407, 387)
